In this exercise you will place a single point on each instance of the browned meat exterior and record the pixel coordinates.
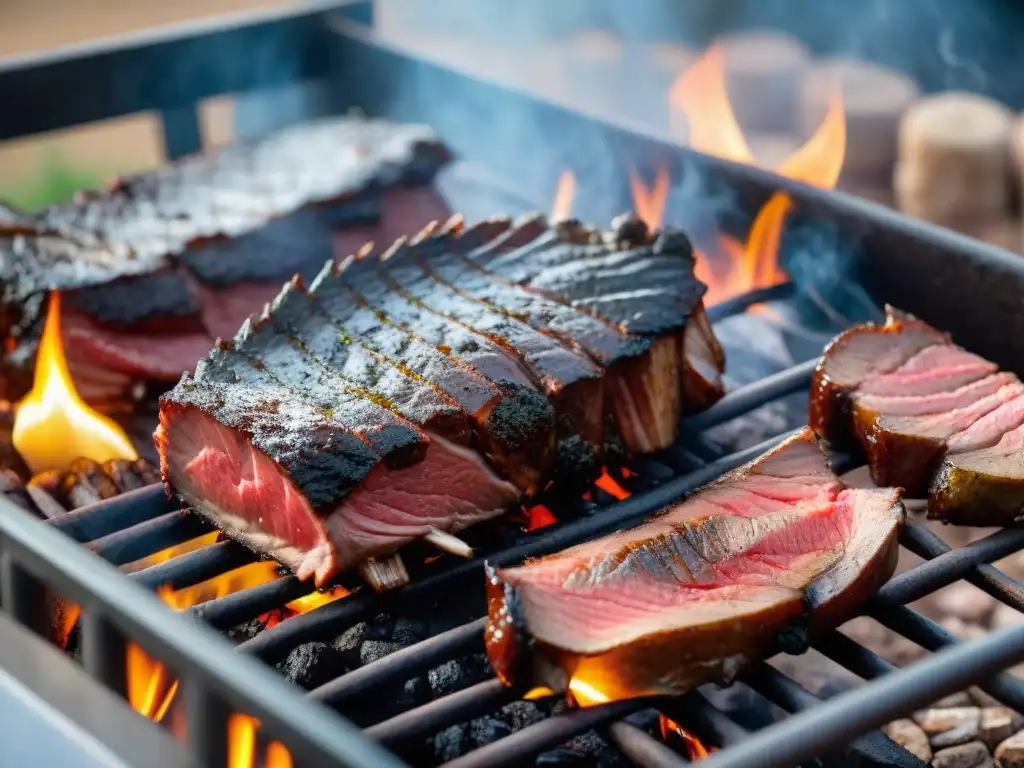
(755, 563)
(932, 418)
(414, 391)
(158, 266)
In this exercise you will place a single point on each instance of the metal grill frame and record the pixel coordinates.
(324, 40)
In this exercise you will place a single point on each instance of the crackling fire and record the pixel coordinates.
(52, 425)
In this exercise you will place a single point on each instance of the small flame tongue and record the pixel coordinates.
(53, 426)
(694, 747)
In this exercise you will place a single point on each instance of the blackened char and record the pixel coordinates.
(513, 423)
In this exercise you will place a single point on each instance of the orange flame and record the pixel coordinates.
(53, 426)
(696, 750)
(565, 192)
(586, 695)
(700, 96)
(650, 203)
(242, 730)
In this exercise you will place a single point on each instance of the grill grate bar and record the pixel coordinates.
(703, 718)
(818, 730)
(330, 620)
(149, 537)
(194, 567)
(119, 513)
(740, 304)
(874, 747)
(854, 656)
(642, 749)
(437, 715)
(522, 746)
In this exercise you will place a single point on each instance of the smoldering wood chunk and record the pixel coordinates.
(954, 151)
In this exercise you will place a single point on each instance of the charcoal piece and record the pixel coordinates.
(350, 643)
(450, 744)
(522, 714)
(456, 674)
(594, 748)
(249, 629)
(563, 756)
(123, 473)
(372, 650)
(487, 730)
(406, 632)
(312, 664)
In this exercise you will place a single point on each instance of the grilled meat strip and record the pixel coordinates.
(935, 419)
(287, 458)
(441, 369)
(187, 252)
(752, 564)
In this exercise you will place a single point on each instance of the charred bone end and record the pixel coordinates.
(384, 573)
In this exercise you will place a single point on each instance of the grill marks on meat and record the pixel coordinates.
(777, 549)
(182, 252)
(452, 390)
(933, 418)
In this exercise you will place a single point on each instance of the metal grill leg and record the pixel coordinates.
(207, 721)
(24, 596)
(104, 652)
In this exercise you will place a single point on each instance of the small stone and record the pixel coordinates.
(312, 664)
(936, 721)
(998, 724)
(1010, 753)
(966, 602)
(971, 755)
(963, 630)
(1005, 616)
(961, 699)
(909, 735)
(961, 734)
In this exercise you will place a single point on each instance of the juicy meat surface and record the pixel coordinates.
(445, 381)
(941, 423)
(318, 488)
(186, 248)
(698, 591)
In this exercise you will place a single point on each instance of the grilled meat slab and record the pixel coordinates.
(933, 418)
(450, 392)
(158, 266)
(754, 563)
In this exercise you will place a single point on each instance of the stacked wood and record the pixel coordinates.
(874, 100)
(763, 72)
(953, 163)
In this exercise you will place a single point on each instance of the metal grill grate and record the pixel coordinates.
(217, 681)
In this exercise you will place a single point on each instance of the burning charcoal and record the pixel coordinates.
(350, 643)
(972, 755)
(909, 735)
(253, 627)
(312, 664)
(456, 674)
(123, 473)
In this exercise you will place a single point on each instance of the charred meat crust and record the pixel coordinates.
(322, 458)
(716, 647)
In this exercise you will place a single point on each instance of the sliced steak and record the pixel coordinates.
(697, 592)
(246, 215)
(942, 422)
(318, 489)
(853, 357)
(983, 487)
(517, 429)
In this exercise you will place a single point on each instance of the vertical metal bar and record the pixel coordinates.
(207, 722)
(104, 651)
(182, 134)
(24, 596)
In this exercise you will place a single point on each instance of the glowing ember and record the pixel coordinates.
(561, 206)
(650, 203)
(53, 426)
(610, 486)
(696, 750)
(700, 96)
(538, 693)
(539, 516)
